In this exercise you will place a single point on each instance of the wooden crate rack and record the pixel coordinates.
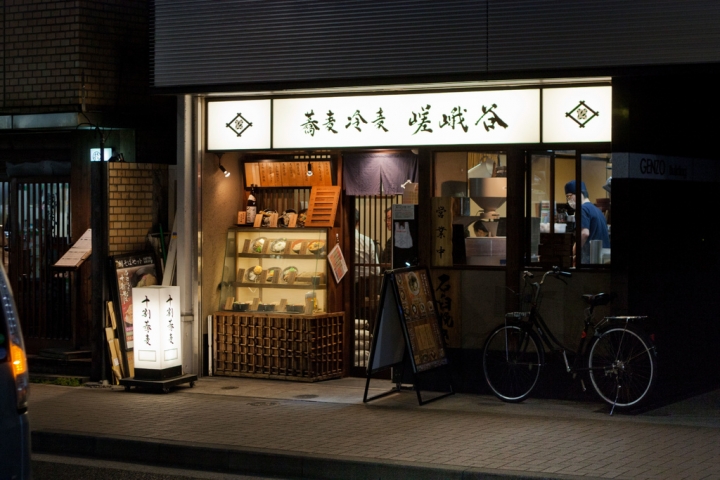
(299, 347)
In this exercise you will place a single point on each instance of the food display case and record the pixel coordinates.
(275, 270)
(273, 320)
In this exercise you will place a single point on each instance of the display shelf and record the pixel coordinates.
(301, 286)
(275, 267)
(288, 256)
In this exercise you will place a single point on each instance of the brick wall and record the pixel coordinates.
(137, 201)
(54, 52)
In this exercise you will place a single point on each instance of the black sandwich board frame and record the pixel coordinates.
(407, 330)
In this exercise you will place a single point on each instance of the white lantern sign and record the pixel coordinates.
(156, 317)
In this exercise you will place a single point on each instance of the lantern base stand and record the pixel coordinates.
(162, 385)
(159, 374)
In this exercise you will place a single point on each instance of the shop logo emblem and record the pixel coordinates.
(239, 124)
(582, 114)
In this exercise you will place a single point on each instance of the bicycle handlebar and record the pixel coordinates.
(555, 272)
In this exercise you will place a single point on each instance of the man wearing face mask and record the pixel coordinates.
(592, 221)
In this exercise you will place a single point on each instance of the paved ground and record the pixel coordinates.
(323, 430)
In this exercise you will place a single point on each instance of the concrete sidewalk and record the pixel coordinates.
(324, 431)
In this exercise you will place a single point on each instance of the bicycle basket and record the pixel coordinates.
(524, 300)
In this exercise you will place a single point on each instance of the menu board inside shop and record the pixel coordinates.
(288, 174)
(419, 315)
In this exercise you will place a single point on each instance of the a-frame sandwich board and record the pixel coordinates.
(407, 329)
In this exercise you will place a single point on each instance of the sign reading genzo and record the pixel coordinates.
(657, 166)
(652, 165)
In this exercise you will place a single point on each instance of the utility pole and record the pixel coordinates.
(99, 261)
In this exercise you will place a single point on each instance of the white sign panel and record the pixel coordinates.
(578, 114)
(239, 125)
(457, 118)
(95, 154)
(156, 314)
(403, 212)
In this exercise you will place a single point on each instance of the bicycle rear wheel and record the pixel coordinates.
(622, 366)
(512, 359)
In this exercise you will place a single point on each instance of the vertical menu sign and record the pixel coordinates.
(419, 315)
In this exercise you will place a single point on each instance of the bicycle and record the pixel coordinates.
(619, 358)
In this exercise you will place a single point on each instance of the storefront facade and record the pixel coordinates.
(536, 120)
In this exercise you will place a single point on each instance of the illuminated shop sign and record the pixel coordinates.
(578, 114)
(156, 318)
(239, 125)
(461, 118)
(95, 154)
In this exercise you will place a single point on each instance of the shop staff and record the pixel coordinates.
(592, 221)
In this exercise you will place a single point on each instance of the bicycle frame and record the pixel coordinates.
(537, 323)
(618, 359)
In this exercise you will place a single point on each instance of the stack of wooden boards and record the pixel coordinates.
(121, 363)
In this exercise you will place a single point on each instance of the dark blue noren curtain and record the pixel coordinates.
(363, 173)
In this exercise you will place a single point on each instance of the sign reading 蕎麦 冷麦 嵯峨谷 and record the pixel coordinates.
(572, 114)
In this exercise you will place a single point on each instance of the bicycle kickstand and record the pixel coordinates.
(615, 402)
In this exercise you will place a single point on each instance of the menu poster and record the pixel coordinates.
(305, 179)
(131, 270)
(419, 313)
(337, 263)
(265, 174)
(277, 174)
(326, 173)
(407, 329)
(268, 173)
(252, 174)
(286, 174)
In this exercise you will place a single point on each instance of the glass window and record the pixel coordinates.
(477, 185)
(596, 170)
(564, 213)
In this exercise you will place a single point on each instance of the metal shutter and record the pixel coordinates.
(542, 34)
(236, 42)
(276, 43)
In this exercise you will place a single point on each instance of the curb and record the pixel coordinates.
(248, 461)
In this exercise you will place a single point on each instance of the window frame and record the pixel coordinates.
(579, 153)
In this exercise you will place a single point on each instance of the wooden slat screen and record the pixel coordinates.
(39, 236)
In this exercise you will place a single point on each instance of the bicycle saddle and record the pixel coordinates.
(597, 300)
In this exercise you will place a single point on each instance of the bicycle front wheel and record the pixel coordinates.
(622, 366)
(512, 359)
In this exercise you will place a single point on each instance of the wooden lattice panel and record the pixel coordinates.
(322, 206)
(305, 348)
